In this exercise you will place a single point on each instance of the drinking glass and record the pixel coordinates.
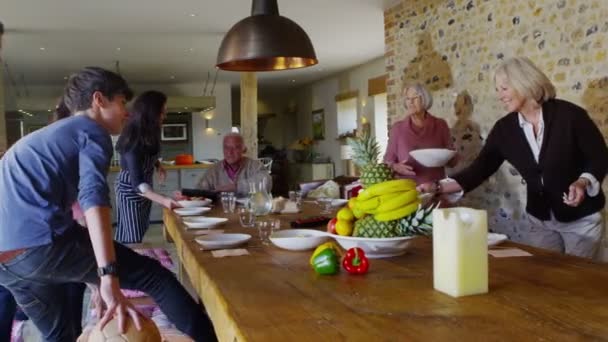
(246, 217)
(228, 202)
(325, 203)
(275, 225)
(264, 230)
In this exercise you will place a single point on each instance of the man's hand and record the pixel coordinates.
(576, 192)
(179, 196)
(403, 169)
(117, 305)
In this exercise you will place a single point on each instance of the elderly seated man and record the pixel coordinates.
(231, 174)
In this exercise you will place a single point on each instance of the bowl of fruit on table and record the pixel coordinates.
(386, 215)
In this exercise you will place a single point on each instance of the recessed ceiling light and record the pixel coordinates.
(192, 14)
(185, 107)
(48, 110)
(292, 81)
(172, 77)
(65, 77)
(191, 49)
(42, 48)
(117, 49)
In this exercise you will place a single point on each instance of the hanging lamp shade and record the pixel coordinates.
(265, 41)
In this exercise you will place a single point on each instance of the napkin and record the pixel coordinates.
(508, 252)
(220, 253)
(291, 207)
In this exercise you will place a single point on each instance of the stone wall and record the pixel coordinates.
(453, 46)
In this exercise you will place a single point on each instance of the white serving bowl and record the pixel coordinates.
(298, 239)
(433, 157)
(375, 247)
(217, 241)
(195, 203)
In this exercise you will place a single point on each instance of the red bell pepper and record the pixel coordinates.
(355, 261)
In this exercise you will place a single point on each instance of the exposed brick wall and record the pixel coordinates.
(454, 46)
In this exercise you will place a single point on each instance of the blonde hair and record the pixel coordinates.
(425, 95)
(526, 79)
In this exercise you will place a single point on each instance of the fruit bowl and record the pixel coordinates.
(433, 157)
(375, 247)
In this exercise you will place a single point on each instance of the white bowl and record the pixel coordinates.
(298, 239)
(204, 222)
(338, 202)
(195, 203)
(191, 211)
(217, 241)
(375, 247)
(433, 157)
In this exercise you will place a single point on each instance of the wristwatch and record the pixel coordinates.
(109, 269)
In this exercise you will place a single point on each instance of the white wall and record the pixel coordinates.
(206, 144)
(321, 95)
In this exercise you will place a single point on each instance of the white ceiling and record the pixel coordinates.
(175, 41)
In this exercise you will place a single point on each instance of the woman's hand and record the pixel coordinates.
(427, 188)
(170, 203)
(117, 304)
(179, 196)
(576, 192)
(403, 169)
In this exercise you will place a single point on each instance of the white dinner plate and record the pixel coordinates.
(191, 211)
(219, 241)
(494, 239)
(203, 221)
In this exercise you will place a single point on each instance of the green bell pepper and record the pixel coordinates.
(326, 262)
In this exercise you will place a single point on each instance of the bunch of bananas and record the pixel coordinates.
(387, 201)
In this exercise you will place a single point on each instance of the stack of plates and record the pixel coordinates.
(195, 203)
(191, 211)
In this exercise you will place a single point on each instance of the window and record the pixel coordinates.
(381, 121)
(347, 116)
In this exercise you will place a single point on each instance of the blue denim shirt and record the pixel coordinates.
(44, 173)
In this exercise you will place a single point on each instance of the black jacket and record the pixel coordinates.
(572, 145)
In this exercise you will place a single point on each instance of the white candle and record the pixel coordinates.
(460, 251)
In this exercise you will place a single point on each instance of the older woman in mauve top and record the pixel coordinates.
(418, 130)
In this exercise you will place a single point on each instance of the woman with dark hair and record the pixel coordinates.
(139, 147)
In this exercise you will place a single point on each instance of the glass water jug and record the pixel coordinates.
(260, 201)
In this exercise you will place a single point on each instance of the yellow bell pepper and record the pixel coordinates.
(322, 247)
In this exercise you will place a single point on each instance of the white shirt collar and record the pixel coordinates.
(523, 121)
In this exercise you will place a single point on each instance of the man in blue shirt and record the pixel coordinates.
(42, 248)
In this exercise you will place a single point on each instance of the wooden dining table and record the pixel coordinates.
(273, 294)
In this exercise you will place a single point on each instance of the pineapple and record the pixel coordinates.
(418, 223)
(365, 155)
(370, 228)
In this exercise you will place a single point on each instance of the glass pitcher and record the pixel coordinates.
(260, 201)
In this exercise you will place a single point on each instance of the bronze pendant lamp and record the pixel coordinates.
(265, 41)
